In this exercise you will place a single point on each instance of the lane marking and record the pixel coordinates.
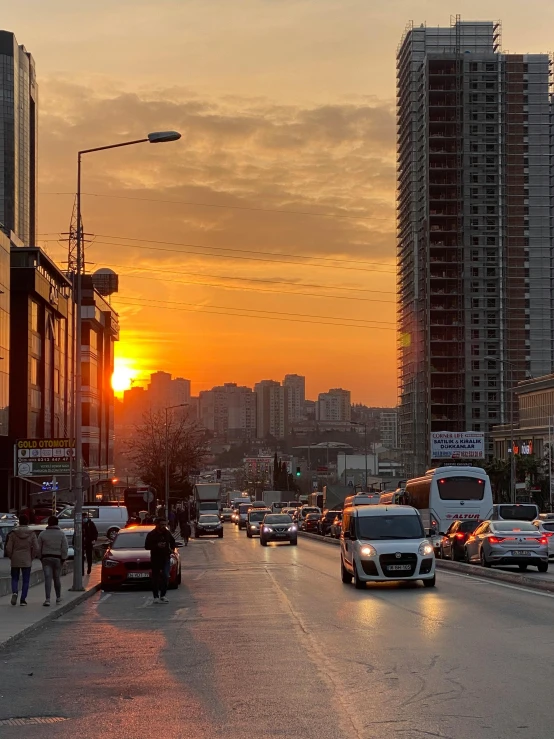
(483, 581)
(103, 599)
(147, 601)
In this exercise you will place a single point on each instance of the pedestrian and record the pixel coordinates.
(90, 535)
(172, 521)
(21, 548)
(52, 544)
(160, 543)
(184, 526)
(148, 519)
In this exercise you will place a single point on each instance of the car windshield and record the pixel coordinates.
(257, 515)
(468, 526)
(330, 515)
(244, 508)
(517, 512)
(305, 511)
(278, 518)
(503, 526)
(130, 539)
(208, 519)
(389, 527)
(312, 516)
(227, 510)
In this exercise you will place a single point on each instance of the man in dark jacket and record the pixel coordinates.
(90, 535)
(184, 525)
(161, 544)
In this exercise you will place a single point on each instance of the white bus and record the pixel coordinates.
(447, 494)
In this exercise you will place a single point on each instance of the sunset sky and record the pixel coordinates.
(282, 184)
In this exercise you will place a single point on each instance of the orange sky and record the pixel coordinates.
(283, 106)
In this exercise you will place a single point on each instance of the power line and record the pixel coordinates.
(261, 290)
(202, 309)
(225, 207)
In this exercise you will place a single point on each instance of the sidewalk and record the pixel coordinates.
(5, 575)
(17, 621)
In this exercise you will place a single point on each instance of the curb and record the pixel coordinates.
(52, 615)
(468, 570)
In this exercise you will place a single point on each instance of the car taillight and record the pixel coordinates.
(543, 540)
(548, 534)
(460, 536)
(496, 539)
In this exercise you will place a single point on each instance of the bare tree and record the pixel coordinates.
(185, 444)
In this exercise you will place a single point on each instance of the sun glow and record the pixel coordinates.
(123, 375)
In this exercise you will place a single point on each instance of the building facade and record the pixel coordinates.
(474, 230)
(296, 386)
(334, 405)
(18, 139)
(272, 409)
(229, 411)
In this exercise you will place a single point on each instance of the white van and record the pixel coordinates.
(107, 519)
(383, 543)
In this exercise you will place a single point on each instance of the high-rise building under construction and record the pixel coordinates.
(474, 206)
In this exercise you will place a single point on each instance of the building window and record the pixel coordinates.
(34, 316)
(476, 397)
(34, 371)
(493, 397)
(475, 365)
(476, 381)
(476, 413)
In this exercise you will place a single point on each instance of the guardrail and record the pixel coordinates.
(469, 570)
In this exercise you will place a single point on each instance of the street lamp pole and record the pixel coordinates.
(512, 453)
(166, 486)
(157, 137)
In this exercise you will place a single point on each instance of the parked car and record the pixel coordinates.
(208, 523)
(326, 521)
(507, 543)
(107, 519)
(311, 523)
(336, 526)
(127, 562)
(452, 543)
(278, 527)
(546, 528)
(254, 521)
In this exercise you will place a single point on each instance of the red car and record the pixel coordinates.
(127, 562)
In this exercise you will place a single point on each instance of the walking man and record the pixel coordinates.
(160, 543)
(21, 548)
(90, 535)
(184, 525)
(52, 544)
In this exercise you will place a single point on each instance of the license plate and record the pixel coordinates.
(138, 575)
(521, 553)
(278, 533)
(399, 567)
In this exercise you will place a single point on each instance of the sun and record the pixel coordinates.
(123, 376)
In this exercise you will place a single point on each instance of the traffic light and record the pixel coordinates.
(298, 472)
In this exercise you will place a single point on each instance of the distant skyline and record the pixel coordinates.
(283, 107)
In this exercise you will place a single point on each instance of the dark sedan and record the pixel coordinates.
(453, 542)
(278, 527)
(208, 523)
(326, 521)
(311, 523)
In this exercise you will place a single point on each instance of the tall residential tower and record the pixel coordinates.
(18, 139)
(474, 206)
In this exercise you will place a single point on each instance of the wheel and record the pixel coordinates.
(523, 568)
(220, 535)
(440, 553)
(263, 542)
(112, 533)
(430, 583)
(453, 554)
(249, 534)
(293, 542)
(345, 576)
(466, 555)
(358, 584)
(179, 577)
(484, 561)
(542, 567)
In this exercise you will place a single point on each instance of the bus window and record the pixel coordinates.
(461, 488)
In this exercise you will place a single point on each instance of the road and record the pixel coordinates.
(267, 642)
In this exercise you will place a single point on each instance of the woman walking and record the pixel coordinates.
(21, 548)
(52, 544)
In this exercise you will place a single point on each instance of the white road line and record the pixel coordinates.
(104, 598)
(200, 574)
(147, 601)
(484, 581)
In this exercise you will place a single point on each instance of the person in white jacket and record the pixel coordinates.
(52, 544)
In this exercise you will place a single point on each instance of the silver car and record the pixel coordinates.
(508, 543)
(546, 527)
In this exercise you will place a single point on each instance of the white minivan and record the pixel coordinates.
(380, 543)
(108, 519)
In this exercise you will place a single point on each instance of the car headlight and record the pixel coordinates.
(267, 530)
(368, 551)
(292, 528)
(253, 527)
(109, 563)
(426, 548)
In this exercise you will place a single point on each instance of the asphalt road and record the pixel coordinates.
(267, 642)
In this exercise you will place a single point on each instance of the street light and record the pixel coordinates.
(168, 408)
(158, 137)
(512, 454)
(364, 424)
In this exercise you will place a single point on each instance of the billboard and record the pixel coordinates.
(43, 457)
(457, 445)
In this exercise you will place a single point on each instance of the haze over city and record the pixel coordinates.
(283, 107)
